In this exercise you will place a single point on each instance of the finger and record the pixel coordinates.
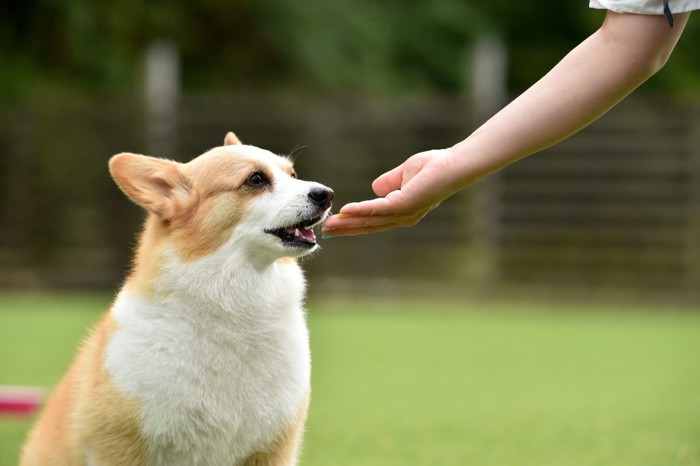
(361, 231)
(388, 182)
(395, 203)
(333, 222)
(343, 222)
(379, 206)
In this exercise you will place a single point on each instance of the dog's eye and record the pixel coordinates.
(257, 180)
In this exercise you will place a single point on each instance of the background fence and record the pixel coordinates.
(613, 210)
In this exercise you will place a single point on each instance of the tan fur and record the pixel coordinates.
(282, 450)
(145, 265)
(219, 207)
(202, 232)
(192, 208)
(86, 409)
(231, 139)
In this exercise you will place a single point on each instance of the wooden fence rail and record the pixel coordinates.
(615, 209)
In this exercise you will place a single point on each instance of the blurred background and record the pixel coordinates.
(351, 89)
(545, 316)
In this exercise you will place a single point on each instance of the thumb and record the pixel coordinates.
(388, 182)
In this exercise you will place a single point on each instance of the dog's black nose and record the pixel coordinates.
(322, 197)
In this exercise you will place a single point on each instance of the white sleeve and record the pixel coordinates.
(645, 7)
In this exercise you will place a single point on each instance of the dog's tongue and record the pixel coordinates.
(308, 235)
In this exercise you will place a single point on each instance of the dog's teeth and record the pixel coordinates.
(297, 232)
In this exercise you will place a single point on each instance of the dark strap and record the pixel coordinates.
(667, 12)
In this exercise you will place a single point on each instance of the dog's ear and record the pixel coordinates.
(231, 139)
(157, 185)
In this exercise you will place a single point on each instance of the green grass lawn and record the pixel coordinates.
(465, 384)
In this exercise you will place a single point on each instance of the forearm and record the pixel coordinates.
(591, 79)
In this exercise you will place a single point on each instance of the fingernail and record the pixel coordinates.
(327, 236)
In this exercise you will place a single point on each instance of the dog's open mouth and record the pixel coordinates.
(300, 235)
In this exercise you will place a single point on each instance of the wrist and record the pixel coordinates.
(469, 163)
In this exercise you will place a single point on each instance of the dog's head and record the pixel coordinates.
(232, 196)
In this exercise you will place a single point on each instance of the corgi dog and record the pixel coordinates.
(203, 358)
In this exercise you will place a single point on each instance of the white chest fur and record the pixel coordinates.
(219, 369)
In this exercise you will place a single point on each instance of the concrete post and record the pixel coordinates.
(488, 72)
(161, 94)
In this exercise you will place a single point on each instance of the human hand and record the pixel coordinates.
(406, 194)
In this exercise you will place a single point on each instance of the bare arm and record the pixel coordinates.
(591, 79)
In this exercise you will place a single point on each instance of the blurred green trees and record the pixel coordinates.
(316, 45)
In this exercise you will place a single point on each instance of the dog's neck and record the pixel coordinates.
(228, 279)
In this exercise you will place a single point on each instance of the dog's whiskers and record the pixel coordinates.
(295, 152)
